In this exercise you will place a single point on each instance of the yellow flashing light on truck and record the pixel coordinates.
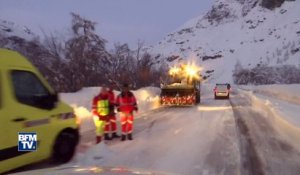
(30, 109)
(185, 89)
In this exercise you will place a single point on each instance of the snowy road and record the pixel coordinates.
(183, 141)
(236, 136)
(216, 137)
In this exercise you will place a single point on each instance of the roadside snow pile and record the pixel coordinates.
(289, 93)
(81, 101)
(279, 101)
(283, 117)
(147, 98)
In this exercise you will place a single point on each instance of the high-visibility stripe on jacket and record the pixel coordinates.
(126, 122)
(101, 105)
(126, 102)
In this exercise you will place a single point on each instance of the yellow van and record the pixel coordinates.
(30, 109)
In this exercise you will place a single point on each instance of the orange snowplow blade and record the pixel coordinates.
(178, 101)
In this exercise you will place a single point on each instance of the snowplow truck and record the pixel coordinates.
(184, 89)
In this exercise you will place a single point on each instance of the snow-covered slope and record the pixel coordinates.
(236, 30)
(289, 93)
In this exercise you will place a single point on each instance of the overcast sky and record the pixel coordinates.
(118, 20)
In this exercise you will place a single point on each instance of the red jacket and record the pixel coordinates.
(111, 97)
(126, 102)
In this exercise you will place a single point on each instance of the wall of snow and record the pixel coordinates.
(284, 116)
(289, 93)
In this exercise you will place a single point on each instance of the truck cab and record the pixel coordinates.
(29, 105)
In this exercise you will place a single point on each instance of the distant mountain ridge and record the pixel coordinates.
(251, 32)
(248, 32)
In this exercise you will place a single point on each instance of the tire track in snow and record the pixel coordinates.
(250, 160)
(223, 152)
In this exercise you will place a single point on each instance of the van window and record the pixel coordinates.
(28, 88)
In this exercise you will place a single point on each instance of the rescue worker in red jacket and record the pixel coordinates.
(100, 110)
(111, 124)
(126, 104)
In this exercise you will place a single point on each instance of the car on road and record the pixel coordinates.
(32, 116)
(222, 91)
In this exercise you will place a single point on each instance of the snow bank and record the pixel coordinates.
(289, 93)
(283, 115)
(81, 101)
(283, 100)
(147, 99)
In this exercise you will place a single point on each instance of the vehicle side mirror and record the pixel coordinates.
(48, 101)
(53, 99)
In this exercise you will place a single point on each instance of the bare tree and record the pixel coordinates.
(86, 53)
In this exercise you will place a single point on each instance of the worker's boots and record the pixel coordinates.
(115, 135)
(129, 136)
(106, 137)
(123, 137)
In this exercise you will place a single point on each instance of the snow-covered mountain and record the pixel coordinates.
(252, 32)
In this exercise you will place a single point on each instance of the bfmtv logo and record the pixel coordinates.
(27, 141)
